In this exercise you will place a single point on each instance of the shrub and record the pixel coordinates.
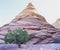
(57, 40)
(17, 36)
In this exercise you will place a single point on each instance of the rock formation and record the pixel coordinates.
(57, 23)
(36, 25)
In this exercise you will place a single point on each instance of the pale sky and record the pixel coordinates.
(50, 9)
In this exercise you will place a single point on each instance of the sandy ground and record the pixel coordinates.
(37, 47)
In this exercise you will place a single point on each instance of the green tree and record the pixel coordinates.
(17, 36)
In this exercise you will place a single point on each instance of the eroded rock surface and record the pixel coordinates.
(38, 28)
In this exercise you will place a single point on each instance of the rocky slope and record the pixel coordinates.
(36, 25)
(57, 23)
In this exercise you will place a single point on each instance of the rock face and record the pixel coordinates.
(57, 23)
(36, 25)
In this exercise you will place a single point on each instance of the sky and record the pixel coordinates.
(50, 9)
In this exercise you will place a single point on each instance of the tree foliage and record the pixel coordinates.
(17, 36)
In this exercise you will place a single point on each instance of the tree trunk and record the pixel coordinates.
(19, 45)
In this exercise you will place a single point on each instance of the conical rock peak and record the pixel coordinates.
(30, 6)
(30, 12)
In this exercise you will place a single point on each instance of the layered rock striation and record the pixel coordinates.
(36, 25)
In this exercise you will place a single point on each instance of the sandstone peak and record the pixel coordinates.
(57, 23)
(30, 12)
(59, 19)
(30, 6)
